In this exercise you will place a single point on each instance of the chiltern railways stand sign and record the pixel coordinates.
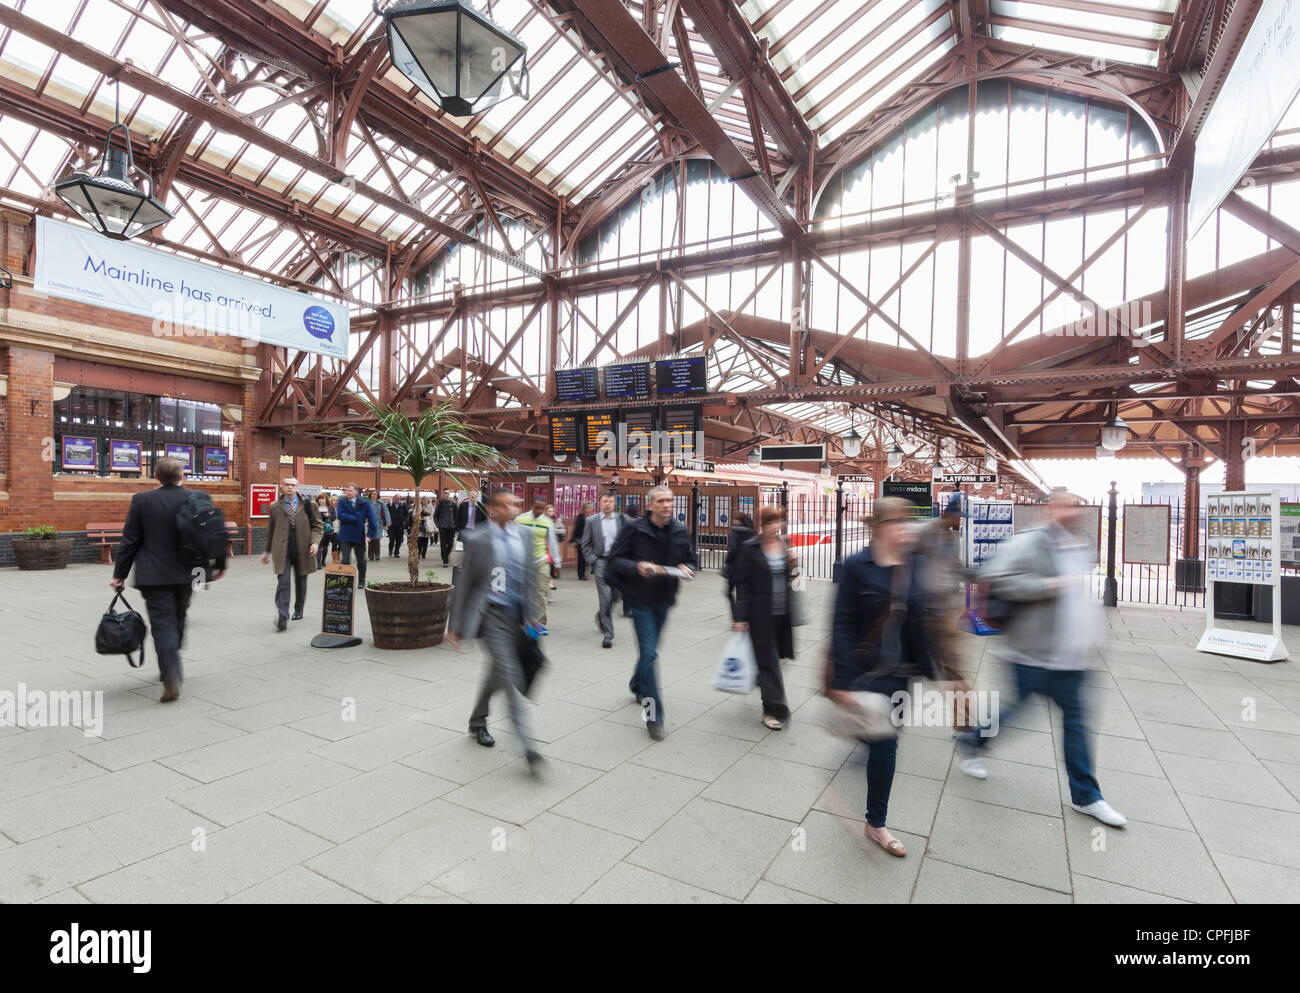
(1242, 545)
(182, 298)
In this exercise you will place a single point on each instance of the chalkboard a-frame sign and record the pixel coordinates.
(338, 599)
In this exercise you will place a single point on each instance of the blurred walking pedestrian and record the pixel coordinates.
(293, 533)
(598, 540)
(878, 643)
(491, 602)
(1049, 640)
(943, 576)
(545, 550)
(649, 558)
(579, 529)
(557, 563)
(764, 605)
(742, 529)
(151, 543)
(357, 518)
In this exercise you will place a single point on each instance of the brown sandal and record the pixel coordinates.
(894, 847)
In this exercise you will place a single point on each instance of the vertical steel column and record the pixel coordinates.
(1111, 596)
(1234, 463)
(1176, 266)
(1191, 507)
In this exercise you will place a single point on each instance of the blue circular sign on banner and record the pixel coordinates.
(681, 517)
(319, 323)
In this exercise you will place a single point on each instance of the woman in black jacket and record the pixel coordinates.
(760, 573)
(878, 642)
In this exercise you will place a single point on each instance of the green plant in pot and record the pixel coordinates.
(40, 547)
(414, 614)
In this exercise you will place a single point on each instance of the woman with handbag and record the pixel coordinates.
(878, 645)
(760, 572)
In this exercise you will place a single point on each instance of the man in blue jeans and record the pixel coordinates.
(649, 557)
(1049, 642)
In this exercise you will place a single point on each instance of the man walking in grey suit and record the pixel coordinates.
(598, 536)
(492, 601)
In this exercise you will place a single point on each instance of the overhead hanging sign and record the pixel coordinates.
(965, 477)
(1255, 96)
(183, 299)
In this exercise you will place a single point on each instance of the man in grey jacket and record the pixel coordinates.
(599, 533)
(492, 600)
(1049, 641)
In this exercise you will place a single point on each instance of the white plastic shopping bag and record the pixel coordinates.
(737, 671)
(864, 716)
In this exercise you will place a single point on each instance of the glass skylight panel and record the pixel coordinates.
(1077, 46)
(885, 80)
(1086, 20)
(596, 160)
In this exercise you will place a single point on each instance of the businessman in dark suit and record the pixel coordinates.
(151, 544)
(492, 601)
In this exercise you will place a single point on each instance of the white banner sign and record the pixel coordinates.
(182, 298)
(1255, 96)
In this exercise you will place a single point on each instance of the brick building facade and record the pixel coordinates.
(49, 346)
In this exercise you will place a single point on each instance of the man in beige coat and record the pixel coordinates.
(293, 533)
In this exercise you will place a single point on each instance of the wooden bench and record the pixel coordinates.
(104, 536)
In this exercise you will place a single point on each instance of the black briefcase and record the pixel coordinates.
(531, 659)
(121, 633)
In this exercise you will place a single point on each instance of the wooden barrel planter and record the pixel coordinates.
(405, 616)
(42, 553)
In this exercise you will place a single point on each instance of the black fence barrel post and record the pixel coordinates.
(695, 516)
(1111, 594)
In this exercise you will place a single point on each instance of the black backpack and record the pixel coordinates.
(121, 634)
(201, 528)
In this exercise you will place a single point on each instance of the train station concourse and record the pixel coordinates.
(652, 452)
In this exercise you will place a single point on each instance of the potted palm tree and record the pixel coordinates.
(41, 548)
(414, 614)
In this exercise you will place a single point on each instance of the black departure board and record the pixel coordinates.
(627, 382)
(564, 434)
(679, 425)
(576, 385)
(596, 425)
(638, 426)
(683, 375)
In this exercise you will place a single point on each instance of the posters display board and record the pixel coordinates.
(124, 456)
(79, 453)
(1242, 538)
(1289, 535)
(1243, 545)
(1031, 515)
(1146, 533)
(987, 523)
(216, 460)
(184, 454)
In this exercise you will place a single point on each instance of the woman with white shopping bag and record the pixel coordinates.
(878, 646)
(761, 571)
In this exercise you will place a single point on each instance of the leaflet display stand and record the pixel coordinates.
(1243, 546)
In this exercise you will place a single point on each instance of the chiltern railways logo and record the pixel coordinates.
(77, 947)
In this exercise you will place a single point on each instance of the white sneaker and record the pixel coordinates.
(1103, 811)
(974, 767)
